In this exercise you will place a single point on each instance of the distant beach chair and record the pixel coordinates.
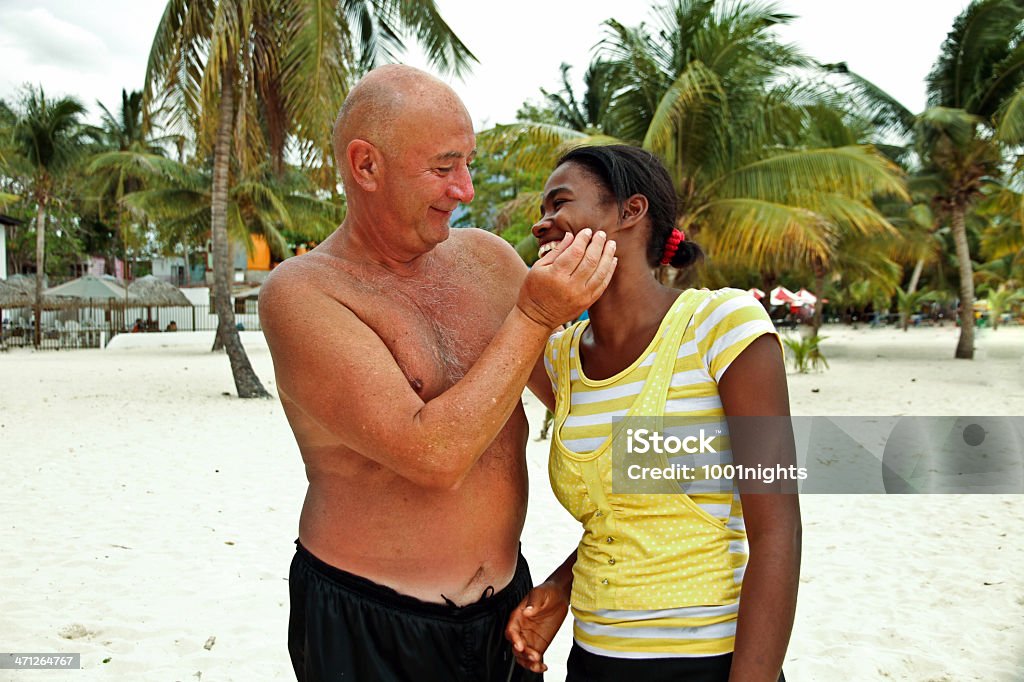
(71, 335)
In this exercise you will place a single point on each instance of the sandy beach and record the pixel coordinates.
(148, 517)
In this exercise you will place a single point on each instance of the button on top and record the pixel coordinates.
(605, 581)
(598, 513)
(609, 539)
(611, 561)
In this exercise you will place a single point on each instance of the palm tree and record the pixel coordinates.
(761, 172)
(46, 137)
(227, 70)
(120, 134)
(979, 68)
(177, 199)
(592, 112)
(976, 102)
(1001, 300)
(907, 303)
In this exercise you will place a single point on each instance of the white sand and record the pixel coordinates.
(144, 512)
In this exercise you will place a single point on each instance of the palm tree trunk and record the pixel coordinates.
(188, 264)
(40, 269)
(218, 340)
(768, 280)
(916, 276)
(246, 382)
(965, 347)
(819, 291)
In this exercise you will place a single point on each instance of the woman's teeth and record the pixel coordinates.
(545, 248)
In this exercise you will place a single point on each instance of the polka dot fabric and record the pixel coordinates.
(656, 574)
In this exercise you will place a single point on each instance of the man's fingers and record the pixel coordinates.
(570, 257)
(591, 256)
(602, 274)
(551, 255)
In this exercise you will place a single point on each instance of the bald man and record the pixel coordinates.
(401, 350)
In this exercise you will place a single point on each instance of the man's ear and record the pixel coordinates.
(364, 163)
(633, 210)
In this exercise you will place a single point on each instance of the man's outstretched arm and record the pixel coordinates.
(342, 375)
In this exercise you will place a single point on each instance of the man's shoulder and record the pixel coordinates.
(485, 248)
(299, 281)
(481, 238)
(298, 272)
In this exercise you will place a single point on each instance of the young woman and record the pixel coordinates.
(656, 580)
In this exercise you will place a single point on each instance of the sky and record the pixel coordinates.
(92, 49)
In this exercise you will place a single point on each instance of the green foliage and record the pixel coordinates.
(292, 62)
(41, 142)
(768, 168)
(177, 201)
(908, 303)
(1000, 301)
(805, 353)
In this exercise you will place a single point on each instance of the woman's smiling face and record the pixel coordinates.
(573, 199)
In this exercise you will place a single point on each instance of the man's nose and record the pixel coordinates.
(462, 186)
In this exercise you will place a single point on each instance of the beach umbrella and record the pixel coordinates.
(756, 293)
(783, 296)
(152, 291)
(247, 292)
(806, 296)
(88, 288)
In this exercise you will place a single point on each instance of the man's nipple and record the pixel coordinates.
(416, 384)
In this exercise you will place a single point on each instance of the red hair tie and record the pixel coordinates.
(675, 238)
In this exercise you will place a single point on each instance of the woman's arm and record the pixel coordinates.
(755, 385)
(535, 622)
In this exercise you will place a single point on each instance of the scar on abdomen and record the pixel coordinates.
(476, 576)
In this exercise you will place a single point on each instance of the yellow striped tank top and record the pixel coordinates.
(656, 575)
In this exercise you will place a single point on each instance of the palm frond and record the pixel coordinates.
(763, 234)
(529, 146)
(884, 110)
(1010, 119)
(965, 73)
(691, 89)
(857, 171)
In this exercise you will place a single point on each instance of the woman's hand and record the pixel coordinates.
(534, 623)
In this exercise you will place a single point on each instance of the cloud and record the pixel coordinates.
(46, 40)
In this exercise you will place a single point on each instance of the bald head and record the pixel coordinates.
(385, 103)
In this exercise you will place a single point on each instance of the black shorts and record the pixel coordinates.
(585, 666)
(344, 627)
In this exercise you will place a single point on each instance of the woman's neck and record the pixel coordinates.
(631, 308)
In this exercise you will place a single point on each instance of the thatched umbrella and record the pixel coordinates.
(154, 292)
(151, 291)
(19, 291)
(16, 292)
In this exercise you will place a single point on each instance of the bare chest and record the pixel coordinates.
(435, 330)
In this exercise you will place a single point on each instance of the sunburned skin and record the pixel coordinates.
(401, 348)
(427, 543)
